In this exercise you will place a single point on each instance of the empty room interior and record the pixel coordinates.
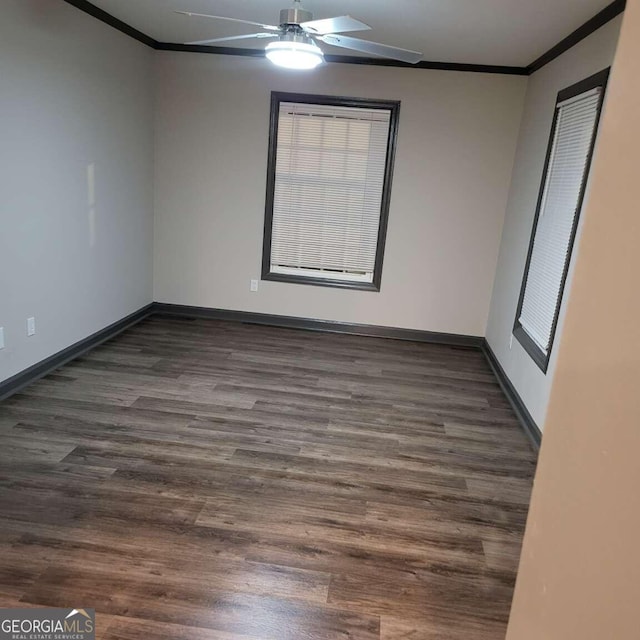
(319, 321)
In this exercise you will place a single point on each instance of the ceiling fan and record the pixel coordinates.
(297, 35)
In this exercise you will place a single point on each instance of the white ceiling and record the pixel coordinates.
(501, 32)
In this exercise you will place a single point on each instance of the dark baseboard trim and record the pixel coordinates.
(599, 20)
(28, 376)
(526, 420)
(24, 378)
(291, 322)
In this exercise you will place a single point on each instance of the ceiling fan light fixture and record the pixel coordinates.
(297, 32)
(295, 53)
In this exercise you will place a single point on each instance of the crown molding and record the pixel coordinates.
(599, 20)
(341, 59)
(114, 22)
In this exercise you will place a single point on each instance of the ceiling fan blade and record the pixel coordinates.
(383, 50)
(268, 27)
(228, 38)
(334, 25)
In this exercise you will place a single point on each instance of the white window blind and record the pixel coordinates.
(329, 179)
(576, 122)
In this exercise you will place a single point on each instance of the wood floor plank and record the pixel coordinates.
(200, 604)
(128, 628)
(422, 592)
(449, 628)
(216, 480)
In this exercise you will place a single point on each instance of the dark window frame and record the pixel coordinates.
(393, 106)
(535, 352)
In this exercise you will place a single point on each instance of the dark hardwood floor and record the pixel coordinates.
(195, 479)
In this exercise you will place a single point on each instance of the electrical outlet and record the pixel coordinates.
(254, 285)
(1, 337)
(31, 326)
(511, 341)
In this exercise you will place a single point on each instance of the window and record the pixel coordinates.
(562, 191)
(328, 189)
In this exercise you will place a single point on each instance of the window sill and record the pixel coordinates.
(537, 354)
(321, 282)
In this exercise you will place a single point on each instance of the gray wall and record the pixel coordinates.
(74, 92)
(591, 55)
(456, 146)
